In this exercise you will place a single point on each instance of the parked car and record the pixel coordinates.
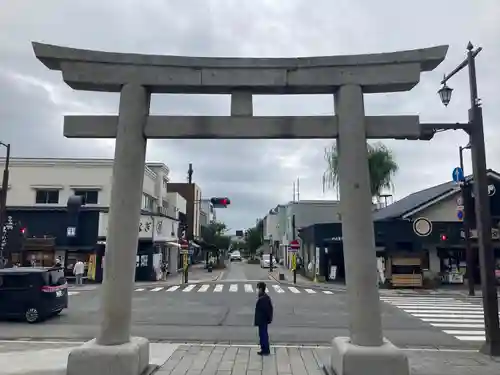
(235, 256)
(32, 293)
(265, 261)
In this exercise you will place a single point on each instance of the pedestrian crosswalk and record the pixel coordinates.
(460, 319)
(231, 288)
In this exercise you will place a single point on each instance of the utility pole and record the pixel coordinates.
(298, 190)
(469, 251)
(3, 204)
(190, 173)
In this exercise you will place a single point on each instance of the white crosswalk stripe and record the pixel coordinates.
(173, 288)
(189, 288)
(460, 319)
(218, 288)
(73, 293)
(203, 288)
(327, 292)
(278, 289)
(157, 289)
(310, 291)
(293, 289)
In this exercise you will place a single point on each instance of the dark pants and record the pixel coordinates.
(264, 338)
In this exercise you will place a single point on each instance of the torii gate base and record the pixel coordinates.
(137, 76)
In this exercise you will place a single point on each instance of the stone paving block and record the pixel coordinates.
(296, 363)
(269, 365)
(254, 361)
(223, 373)
(225, 365)
(184, 364)
(254, 372)
(201, 359)
(312, 366)
(283, 361)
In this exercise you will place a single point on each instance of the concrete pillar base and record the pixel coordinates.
(131, 358)
(350, 359)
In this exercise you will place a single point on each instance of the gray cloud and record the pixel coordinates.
(257, 175)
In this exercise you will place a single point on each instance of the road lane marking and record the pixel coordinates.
(443, 320)
(248, 288)
(278, 289)
(310, 291)
(203, 288)
(466, 333)
(233, 288)
(189, 288)
(173, 288)
(471, 338)
(293, 289)
(461, 311)
(140, 290)
(446, 307)
(457, 325)
(327, 292)
(454, 316)
(73, 293)
(218, 288)
(157, 289)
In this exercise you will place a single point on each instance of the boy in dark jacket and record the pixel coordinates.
(263, 317)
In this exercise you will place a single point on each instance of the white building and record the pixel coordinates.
(49, 182)
(208, 208)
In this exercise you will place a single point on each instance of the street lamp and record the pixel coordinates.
(465, 190)
(3, 202)
(482, 202)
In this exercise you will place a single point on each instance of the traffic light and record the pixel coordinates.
(220, 202)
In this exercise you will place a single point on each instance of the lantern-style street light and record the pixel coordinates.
(445, 94)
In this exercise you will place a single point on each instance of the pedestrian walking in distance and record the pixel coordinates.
(263, 317)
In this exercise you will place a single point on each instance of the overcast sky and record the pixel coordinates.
(256, 175)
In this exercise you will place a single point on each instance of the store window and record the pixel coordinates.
(47, 197)
(90, 196)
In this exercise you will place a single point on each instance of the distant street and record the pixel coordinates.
(222, 312)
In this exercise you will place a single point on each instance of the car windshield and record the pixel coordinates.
(266, 257)
(236, 253)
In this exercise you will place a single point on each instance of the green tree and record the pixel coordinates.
(215, 234)
(381, 163)
(253, 238)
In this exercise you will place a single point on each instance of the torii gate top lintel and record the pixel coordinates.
(107, 71)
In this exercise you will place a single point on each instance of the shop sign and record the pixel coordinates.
(145, 229)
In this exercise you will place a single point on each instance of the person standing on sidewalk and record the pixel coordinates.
(78, 270)
(263, 317)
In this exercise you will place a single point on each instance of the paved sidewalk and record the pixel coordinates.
(243, 360)
(193, 359)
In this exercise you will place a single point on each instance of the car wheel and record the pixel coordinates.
(32, 315)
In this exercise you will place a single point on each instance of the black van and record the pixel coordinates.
(34, 293)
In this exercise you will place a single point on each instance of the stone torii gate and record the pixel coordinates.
(347, 78)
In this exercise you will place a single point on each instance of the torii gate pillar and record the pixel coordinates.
(135, 77)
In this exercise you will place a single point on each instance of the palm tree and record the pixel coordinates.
(381, 164)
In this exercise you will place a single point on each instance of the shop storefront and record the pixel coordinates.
(46, 237)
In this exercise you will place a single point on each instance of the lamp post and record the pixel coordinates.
(482, 203)
(3, 202)
(469, 254)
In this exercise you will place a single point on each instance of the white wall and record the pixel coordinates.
(65, 175)
(177, 201)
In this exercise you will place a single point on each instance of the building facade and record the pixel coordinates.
(282, 223)
(38, 192)
(419, 239)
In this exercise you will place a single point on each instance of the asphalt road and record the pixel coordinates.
(222, 312)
